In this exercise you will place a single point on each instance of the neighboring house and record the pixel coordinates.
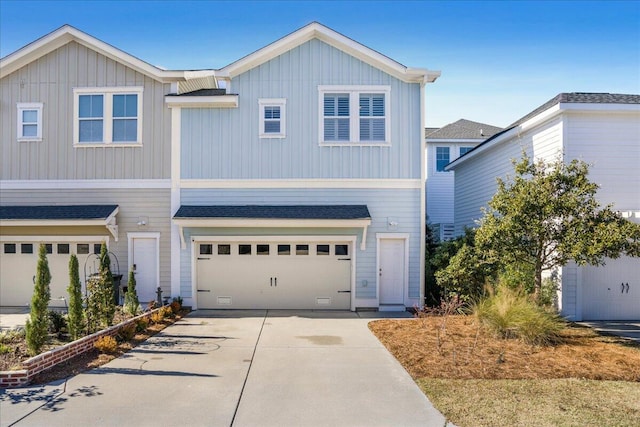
(603, 130)
(443, 146)
(291, 178)
(85, 143)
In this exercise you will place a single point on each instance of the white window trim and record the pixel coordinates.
(22, 106)
(107, 118)
(354, 116)
(273, 102)
(435, 159)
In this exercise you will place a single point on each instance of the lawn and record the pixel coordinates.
(476, 379)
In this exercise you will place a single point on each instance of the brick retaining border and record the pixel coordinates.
(49, 359)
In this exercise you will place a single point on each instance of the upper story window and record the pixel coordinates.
(465, 150)
(354, 115)
(272, 118)
(104, 116)
(442, 158)
(30, 121)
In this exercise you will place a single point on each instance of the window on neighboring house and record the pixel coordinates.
(30, 121)
(107, 116)
(272, 118)
(465, 150)
(354, 115)
(442, 158)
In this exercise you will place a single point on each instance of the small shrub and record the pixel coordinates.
(510, 314)
(4, 349)
(57, 322)
(157, 317)
(142, 324)
(152, 305)
(178, 299)
(167, 311)
(175, 307)
(12, 336)
(106, 344)
(131, 302)
(126, 333)
(38, 322)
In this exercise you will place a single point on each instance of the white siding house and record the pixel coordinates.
(443, 146)
(601, 129)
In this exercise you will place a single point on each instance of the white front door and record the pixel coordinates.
(391, 271)
(144, 262)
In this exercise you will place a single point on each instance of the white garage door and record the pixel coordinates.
(612, 292)
(274, 275)
(18, 262)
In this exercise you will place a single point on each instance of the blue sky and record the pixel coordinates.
(499, 60)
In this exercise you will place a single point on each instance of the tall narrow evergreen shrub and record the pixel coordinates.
(131, 302)
(101, 306)
(38, 322)
(76, 312)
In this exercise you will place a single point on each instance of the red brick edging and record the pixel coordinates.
(49, 359)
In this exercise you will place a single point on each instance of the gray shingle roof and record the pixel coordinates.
(276, 212)
(55, 212)
(202, 92)
(463, 129)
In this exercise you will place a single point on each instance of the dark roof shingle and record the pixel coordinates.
(276, 212)
(56, 212)
(463, 129)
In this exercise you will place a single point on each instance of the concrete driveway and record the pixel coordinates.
(628, 329)
(238, 368)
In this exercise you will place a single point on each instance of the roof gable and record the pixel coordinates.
(67, 34)
(332, 38)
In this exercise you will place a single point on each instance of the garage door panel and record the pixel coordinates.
(274, 275)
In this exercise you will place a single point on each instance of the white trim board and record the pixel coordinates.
(79, 184)
(303, 183)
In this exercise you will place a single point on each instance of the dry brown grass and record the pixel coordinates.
(462, 350)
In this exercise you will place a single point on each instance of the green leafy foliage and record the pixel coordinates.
(57, 322)
(131, 302)
(548, 215)
(76, 312)
(101, 307)
(38, 323)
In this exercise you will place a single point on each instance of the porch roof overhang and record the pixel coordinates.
(61, 215)
(281, 216)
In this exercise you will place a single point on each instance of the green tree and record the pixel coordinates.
(101, 306)
(76, 312)
(131, 302)
(432, 291)
(548, 215)
(38, 322)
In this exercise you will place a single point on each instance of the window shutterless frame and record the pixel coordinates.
(29, 126)
(273, 115)
(107, 116)
(354, 115)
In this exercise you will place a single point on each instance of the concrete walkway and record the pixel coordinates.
(235, 368)
(627, 329)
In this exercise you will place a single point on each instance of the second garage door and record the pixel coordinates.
(274, 275)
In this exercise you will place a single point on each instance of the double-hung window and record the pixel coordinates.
(105, 116)
(465, 150)
(442, 158)
(354, 115)
(272, 118)
(30, 121)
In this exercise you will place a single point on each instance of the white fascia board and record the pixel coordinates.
(222, 101)
(79, 184)
(67, 33)
(64, 238)
(613, 108)
(544, 116)
(302, 183)
(335, 39)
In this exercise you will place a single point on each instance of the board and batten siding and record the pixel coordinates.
(50, 80)
(475, 180)
(133, 204)
(402, 206)
(224, 143)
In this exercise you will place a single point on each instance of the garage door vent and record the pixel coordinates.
(224, 300)
(323, 301)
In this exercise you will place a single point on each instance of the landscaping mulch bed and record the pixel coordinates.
(455, 347)
(82, 362)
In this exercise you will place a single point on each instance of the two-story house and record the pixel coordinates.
(444, 145)
(291, 178)
(601, 129)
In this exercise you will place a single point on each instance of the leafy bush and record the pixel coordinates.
(126, 333)
(106, 344)
(38, 322)
(511, 314)
(101, 307)
(57, 322)
(76, 311)
(131, 302)
(142, 324)
(175, 307)
(4, 349)
(12, 336)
